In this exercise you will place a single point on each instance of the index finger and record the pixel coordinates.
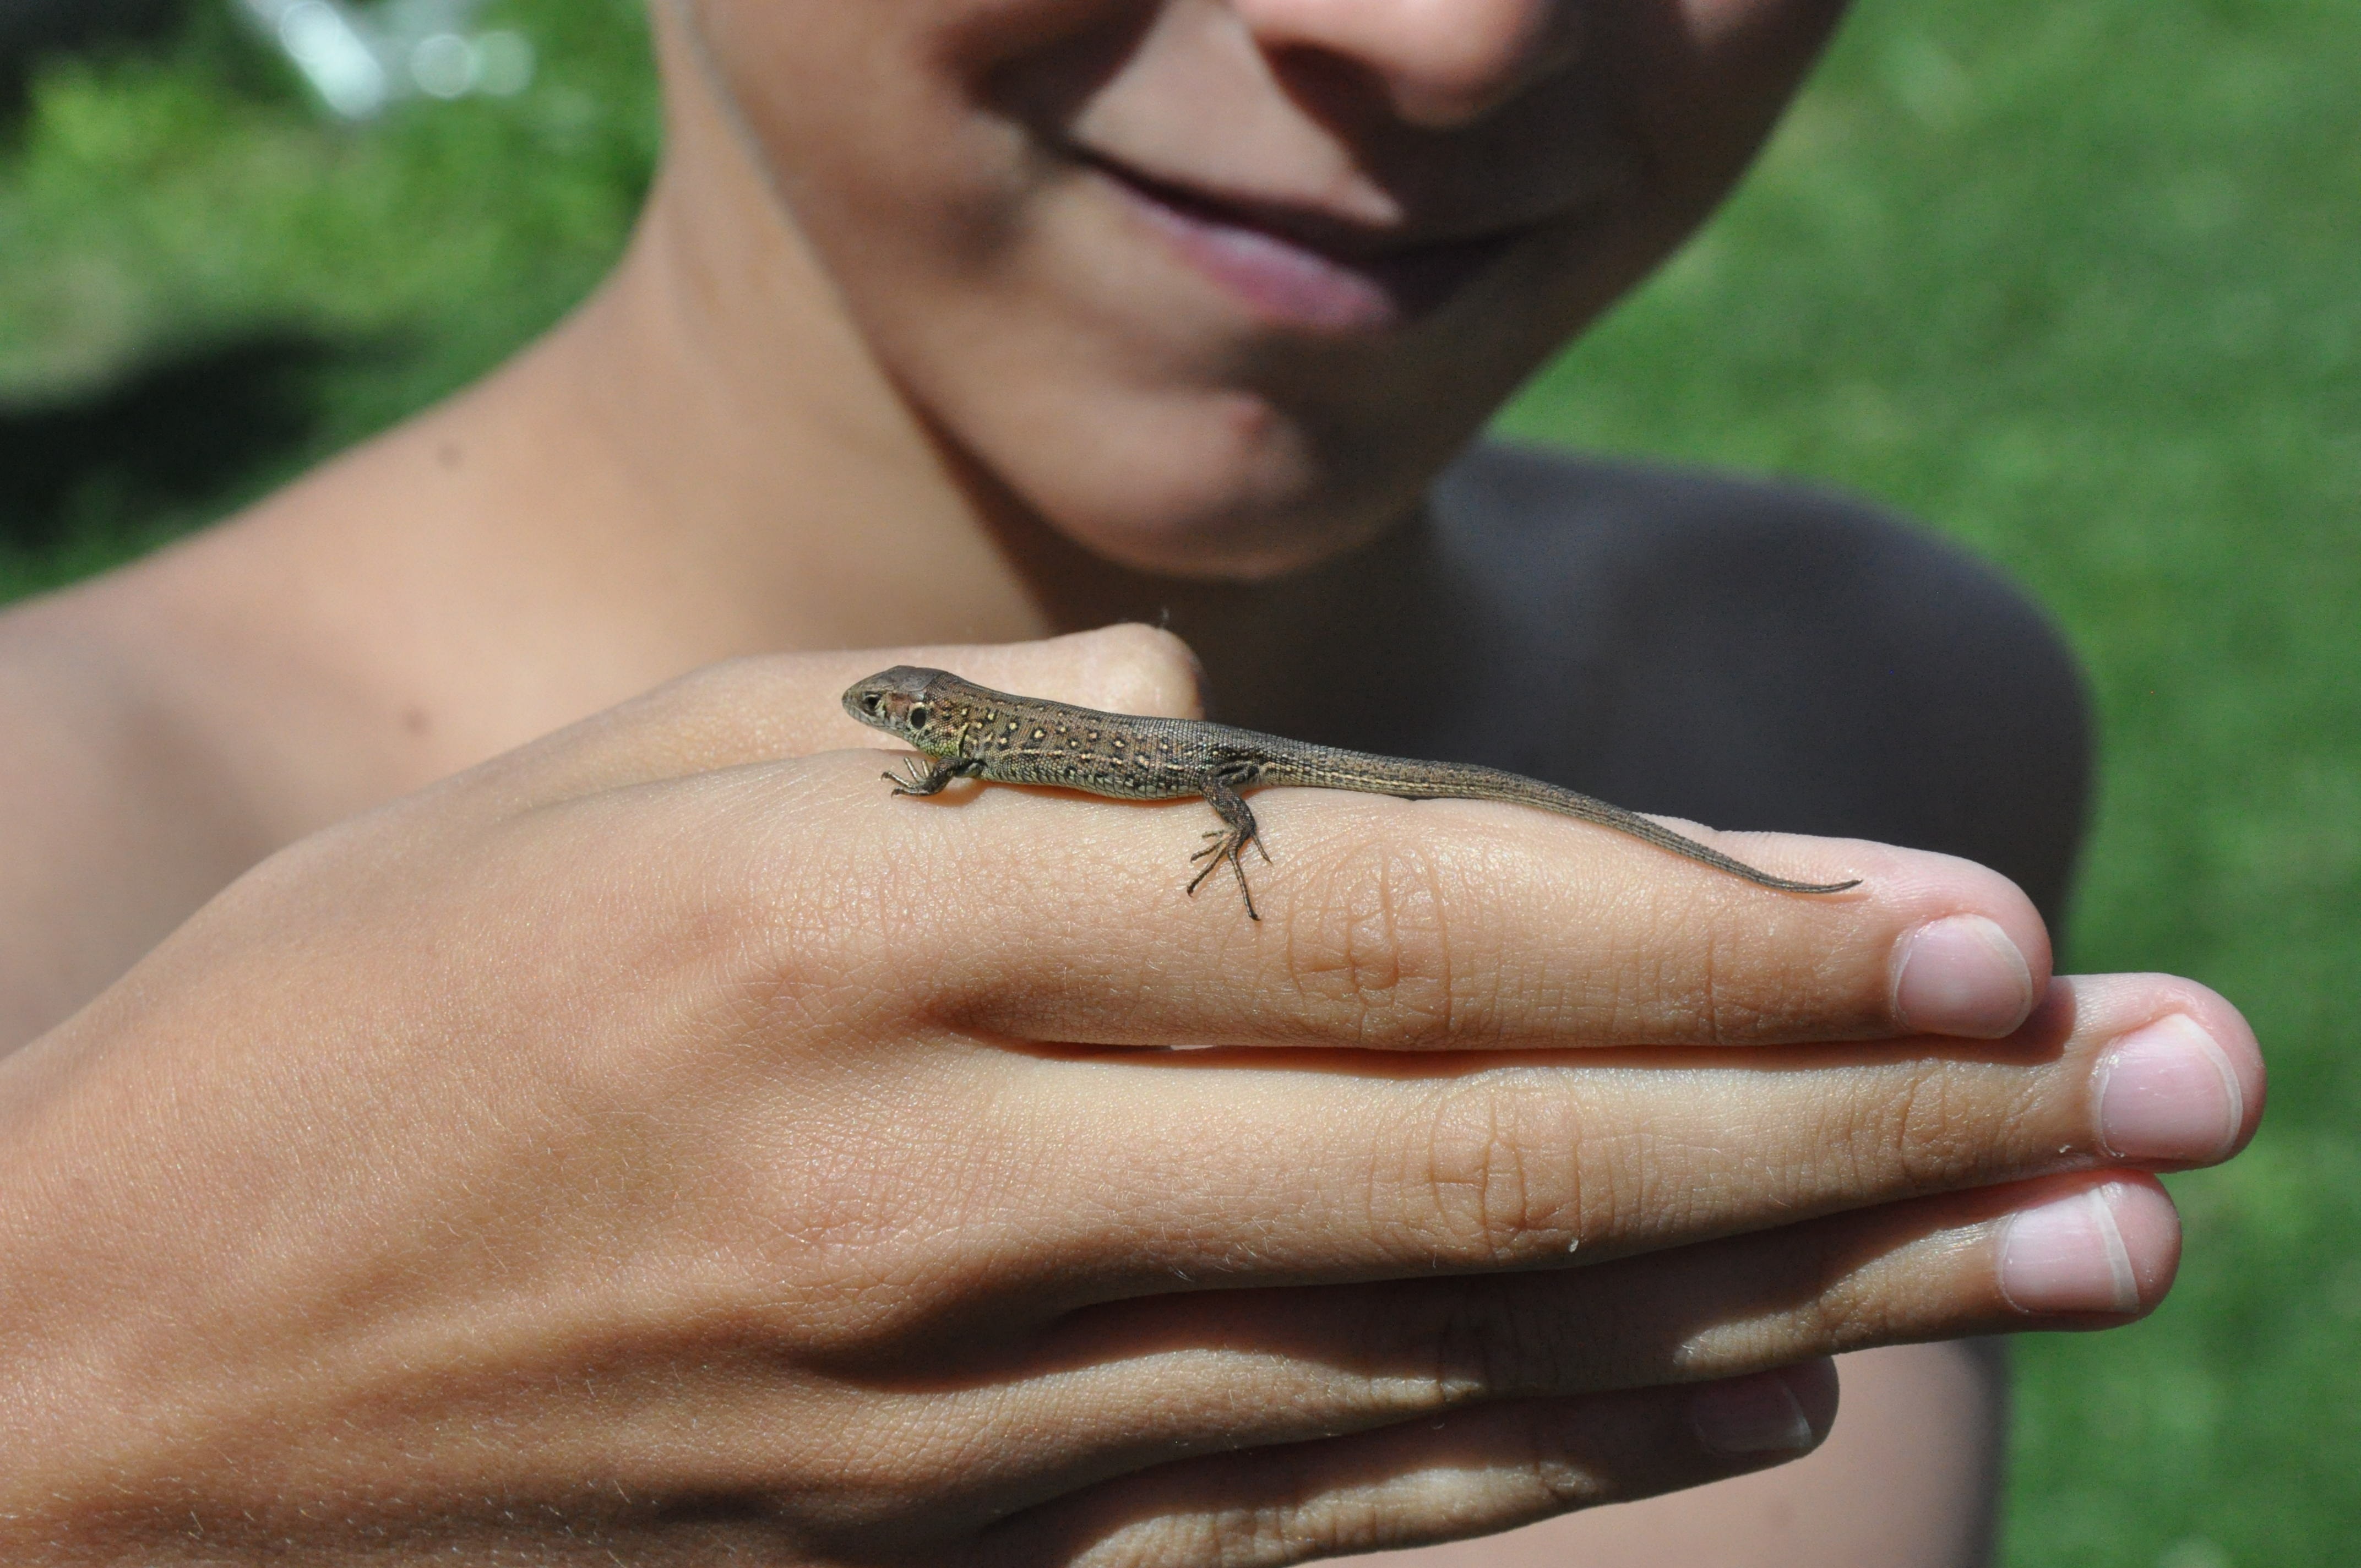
(1048, 916)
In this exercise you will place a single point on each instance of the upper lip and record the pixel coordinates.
(1309, 224)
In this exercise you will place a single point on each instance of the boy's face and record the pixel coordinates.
(1217, 286)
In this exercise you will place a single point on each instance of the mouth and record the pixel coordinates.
(1306, 272)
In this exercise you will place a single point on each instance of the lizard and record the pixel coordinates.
(963, 730)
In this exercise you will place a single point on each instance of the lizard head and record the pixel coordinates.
(896, 701)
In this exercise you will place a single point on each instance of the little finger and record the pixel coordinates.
(1471, 1473)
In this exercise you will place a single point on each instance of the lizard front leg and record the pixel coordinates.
(926, 775)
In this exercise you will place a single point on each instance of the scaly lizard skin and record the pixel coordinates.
(962, 730)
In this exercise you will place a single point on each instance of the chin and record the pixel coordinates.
(1238, 547)
(1236, 492)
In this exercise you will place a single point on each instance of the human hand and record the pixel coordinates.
(659, 1142)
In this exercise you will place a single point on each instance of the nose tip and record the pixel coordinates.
(1443, 64)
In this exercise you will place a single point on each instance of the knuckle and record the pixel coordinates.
(1416, 1356)
(1262, 1532)
(1479, 1351)
(1802, 1301)
(702, 703)
(1834, 1309)
(1562, 1480)
(1369, 949)
(1462, 1343)
(717, 895)
(1501, 1177)
(1270, 1532)
(1725, 1004)
(1134, 668)
(1936, 1131)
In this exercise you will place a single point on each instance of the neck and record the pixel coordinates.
(745, 446)
(706, 461)
(739, 439)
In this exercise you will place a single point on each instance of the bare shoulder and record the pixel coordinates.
(1748, 653)
(1763, 655)
(174, 721)
(113, 822)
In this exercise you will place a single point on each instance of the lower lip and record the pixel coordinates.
(1293, 286)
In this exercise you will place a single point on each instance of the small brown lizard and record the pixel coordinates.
(962, 730)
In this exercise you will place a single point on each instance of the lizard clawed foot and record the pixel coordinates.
(915, 781)
(1232, 844)
(1223, 834)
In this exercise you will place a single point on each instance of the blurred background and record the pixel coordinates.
(2078, 284)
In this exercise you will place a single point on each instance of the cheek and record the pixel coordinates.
(1003, 298)
(871, 120)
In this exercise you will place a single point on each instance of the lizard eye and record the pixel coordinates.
(919, 716)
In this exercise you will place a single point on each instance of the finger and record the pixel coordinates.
(789, 705)
(1439, 924)
(1435, 925)
(2077, 1251)
(1467, 1475)
(2080, 1251)
(1256, 1168)
(1132, 1385)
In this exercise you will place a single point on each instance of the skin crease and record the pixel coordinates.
(638, 1149)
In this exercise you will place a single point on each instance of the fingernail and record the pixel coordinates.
(1749, 1415)
(1961, 976)
(2069, 1257)
(2169, 1092)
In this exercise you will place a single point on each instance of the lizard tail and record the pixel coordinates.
(1383, 775)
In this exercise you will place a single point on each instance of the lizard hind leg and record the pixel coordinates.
(1237, 830)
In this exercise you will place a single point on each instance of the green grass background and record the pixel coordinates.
(2080, 283)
